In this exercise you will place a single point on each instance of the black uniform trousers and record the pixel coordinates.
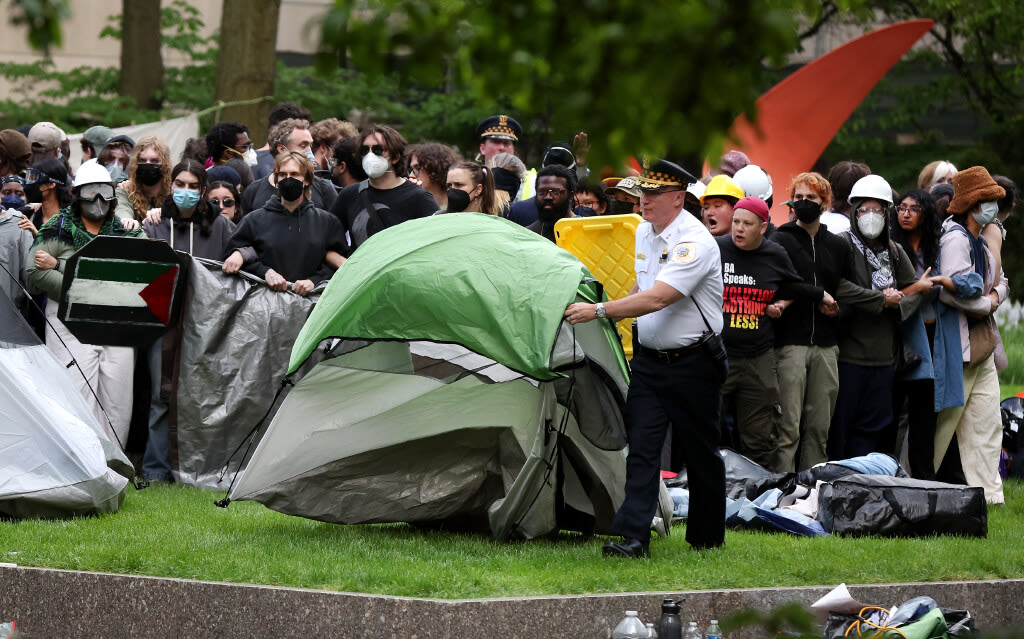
(686, 392)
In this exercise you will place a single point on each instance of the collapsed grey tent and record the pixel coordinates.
(56, 459)
(436, 382)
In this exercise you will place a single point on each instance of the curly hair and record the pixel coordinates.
(434, 159)
(279, 134)
(139, 200)
(328, 132)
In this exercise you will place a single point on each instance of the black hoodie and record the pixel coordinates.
(822, 260)
(292, 243)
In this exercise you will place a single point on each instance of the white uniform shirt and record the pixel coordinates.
(685, 256)
(835, 222)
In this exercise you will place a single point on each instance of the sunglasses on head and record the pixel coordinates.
(378, 149)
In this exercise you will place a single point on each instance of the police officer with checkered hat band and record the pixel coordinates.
(674, 379)
(498, 134)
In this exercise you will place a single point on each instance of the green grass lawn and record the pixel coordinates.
(176, 531)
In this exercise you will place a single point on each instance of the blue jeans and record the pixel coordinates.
(156, 461)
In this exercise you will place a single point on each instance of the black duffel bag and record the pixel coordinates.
(884, 506)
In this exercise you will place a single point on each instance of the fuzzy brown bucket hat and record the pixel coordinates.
(971, 186)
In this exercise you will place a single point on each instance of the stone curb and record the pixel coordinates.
(65, 603)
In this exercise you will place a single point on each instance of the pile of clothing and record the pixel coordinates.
(868, 495)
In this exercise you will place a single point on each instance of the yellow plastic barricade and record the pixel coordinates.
(606, 246)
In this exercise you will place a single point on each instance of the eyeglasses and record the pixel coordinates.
(414, 169)
(224, 204)
(89, 192)
(913, 208)
(378, 149)
(873, 209)
(546, 192)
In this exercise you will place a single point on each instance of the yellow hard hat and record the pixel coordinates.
(724, 187)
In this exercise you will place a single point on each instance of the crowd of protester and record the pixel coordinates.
(863, 323)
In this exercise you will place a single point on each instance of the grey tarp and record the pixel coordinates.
(56, 460)
(236, 337)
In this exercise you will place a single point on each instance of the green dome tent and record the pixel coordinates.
(436, 382)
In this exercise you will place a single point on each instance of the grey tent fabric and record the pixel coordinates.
(425, 432)
(56, 459)
(236, 337)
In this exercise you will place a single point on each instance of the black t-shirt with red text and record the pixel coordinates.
(753, 280)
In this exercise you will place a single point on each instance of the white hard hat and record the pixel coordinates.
(870, 187)
(91, 172)
(755, 181)
(696, 189)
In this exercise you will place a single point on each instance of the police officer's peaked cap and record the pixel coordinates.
(663, 174)
(502, 127)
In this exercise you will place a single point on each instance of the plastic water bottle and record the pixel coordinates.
(670, 626)
(693, 632)
(651, 632)
(713, 631)
(630, 627)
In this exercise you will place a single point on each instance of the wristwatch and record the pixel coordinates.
(600, 311)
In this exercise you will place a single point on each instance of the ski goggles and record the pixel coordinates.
(89, 192)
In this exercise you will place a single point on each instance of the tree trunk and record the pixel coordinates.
(142, 66)
(246, 62)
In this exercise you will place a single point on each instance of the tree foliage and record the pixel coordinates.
(86, 95)
(42, 17)
(970, 67)
(638, 77)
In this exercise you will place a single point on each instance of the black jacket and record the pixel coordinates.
(822, 261)
(293, 244)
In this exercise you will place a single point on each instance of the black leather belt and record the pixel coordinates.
(668, 356)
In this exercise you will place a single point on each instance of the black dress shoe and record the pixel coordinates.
(628, 547)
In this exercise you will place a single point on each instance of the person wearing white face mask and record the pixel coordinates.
(962, 250)
(883, 290)
(385, 198)
(291, 135)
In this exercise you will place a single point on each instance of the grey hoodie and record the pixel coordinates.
(15, 255)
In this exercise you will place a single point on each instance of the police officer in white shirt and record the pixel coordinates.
(674, 378)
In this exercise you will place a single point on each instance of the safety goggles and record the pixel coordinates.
(35, 176)
(89, 192)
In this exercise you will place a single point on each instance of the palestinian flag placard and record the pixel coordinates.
(116, 290)
(122, 291)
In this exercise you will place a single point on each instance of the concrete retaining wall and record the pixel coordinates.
(61, 603)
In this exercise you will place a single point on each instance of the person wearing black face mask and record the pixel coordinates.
(805, 332)
(290, 239)
(556, 189)
(46, 186)
(470, 189)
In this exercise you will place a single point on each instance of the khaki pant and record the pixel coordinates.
(978, 427)
(751, 391)
(107, 370)
(808, 386)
